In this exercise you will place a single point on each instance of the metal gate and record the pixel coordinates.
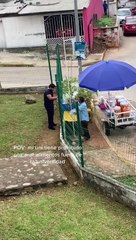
(59, 27)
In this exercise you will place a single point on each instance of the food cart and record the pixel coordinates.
(117, 113)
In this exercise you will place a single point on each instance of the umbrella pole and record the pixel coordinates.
(109, 96)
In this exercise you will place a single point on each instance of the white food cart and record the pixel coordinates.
(113, 117)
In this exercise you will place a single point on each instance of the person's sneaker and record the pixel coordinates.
(52, 128)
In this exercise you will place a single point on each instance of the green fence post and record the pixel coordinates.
(79, 136)
(49, 64)
(59, 69)
(60, 102)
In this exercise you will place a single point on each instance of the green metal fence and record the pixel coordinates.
(70, 123)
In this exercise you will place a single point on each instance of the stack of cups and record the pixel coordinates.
(119, 99)
(125, 107)
(117, 110)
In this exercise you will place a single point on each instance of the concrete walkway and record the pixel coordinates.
(31, 69)
(30, 171)
(35, 59)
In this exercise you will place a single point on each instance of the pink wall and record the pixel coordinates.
(95, 7)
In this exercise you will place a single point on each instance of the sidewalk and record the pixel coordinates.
(28, 172)
(34, 59)
(30, 69)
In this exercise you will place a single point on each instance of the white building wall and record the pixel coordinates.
(2, 36)
(24, 31)
(113, 8)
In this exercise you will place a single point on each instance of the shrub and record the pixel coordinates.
(71, 90)
(104, 21)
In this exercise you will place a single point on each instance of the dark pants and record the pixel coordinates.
(50, 113)
(105, 12)
(85, 130)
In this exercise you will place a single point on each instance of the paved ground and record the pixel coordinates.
(31, 69)
(29, 171)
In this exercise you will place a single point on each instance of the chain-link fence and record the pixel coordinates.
(113, 155)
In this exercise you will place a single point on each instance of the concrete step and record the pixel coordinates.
(26, 172)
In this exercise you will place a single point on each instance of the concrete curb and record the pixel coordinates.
(23, 90)
(103, 55)
(17, 65)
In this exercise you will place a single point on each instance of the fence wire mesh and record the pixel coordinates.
(113, 155)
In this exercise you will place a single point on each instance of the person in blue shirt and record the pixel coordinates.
(84, 118)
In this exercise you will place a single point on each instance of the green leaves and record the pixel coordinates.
(104, 22)
(70, 86)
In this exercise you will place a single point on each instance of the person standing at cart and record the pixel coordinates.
(49, 105)
(84, 118)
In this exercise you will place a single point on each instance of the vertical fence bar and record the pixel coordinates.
(49, 64)
(59, 62)
(60, 103)
(59, 72)
(79, 136)
(77, 32)
(58, 78)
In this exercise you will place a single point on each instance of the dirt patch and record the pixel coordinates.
(51, 138)
(97, 141)
(99, 46)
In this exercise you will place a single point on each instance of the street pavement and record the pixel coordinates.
(11, 77)
(30, 69)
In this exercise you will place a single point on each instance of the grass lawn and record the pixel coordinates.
(66, 213)
(20, 123)
(128, 180)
